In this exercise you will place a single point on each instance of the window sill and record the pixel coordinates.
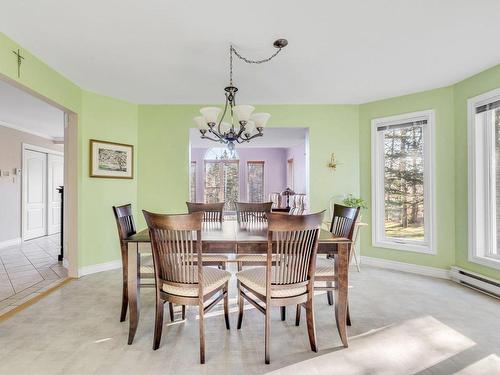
(423, 249)
(485, 261)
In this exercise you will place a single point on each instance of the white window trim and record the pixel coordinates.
(378, 236)
(477, 252)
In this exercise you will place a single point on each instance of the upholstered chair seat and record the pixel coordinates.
(213, 278)
(255, 279)
(259, 258)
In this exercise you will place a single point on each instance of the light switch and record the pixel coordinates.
(5, 173)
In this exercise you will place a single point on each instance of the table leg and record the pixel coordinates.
(133, 289)
(341, 270)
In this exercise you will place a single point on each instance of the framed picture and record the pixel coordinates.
(111, 160)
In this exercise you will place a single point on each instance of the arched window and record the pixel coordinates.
(222, 177)
(221, 153)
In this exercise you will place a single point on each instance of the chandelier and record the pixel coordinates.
(243, 124)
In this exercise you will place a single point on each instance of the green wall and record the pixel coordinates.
(450, 105)
(99, 117)
(108, 119)
(164, 144)
(483, 82)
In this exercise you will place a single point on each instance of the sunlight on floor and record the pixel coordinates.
(487, 365)
(405, 348)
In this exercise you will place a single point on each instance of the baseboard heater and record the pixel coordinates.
(478, 282)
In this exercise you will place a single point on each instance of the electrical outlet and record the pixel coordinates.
(17, 171)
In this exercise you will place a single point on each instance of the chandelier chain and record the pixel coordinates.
(248, 61)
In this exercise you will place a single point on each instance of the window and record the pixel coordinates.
(222, 177)
(484, 179)
(402, 186)
(255, 181)
(192, 182)
(289, 173)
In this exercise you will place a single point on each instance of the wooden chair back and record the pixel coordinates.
(276, 199)
(124, 221)
(343, 220)
(252, 212)
(176, 246)
(294, 251)
(298, 204)
(214, 212)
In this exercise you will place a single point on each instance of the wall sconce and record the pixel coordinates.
(333, 162)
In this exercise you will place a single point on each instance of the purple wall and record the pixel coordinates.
(274, 169)
(298, 154)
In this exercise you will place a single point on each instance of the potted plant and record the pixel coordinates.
(351, 201)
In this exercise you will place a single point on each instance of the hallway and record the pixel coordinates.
(28, 268)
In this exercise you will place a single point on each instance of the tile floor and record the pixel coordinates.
(27, 269)
(402, 324)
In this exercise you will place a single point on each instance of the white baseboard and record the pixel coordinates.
(14, 241)
(406, 267)
(101, 267)
(476, 281)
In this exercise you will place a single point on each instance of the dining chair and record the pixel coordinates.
(180, 276)
(276, 199)
(288, 279)
(342, 225)
(252, 213)
(297, 204)
(126, 228)
(213, 213)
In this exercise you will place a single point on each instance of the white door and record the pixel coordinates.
(55, 178)
(35, 194)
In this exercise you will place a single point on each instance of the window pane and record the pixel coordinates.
(231, 185)
(255, 180)
(404, 183)
(213, 182)
(222, 177)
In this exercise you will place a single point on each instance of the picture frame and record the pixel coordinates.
(111, 160)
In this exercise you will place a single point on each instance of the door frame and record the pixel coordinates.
(71, 174)
(25, 147)
(52, 192)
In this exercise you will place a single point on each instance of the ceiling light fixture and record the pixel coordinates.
(243, 124)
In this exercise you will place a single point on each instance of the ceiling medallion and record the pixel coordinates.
(243, 124)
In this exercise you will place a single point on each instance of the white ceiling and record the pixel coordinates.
(171, 51)
(25, 112)
(273, 138)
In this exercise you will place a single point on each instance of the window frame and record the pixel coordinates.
(379, 238)
(261, 162)
(480, 235)
(290, 171)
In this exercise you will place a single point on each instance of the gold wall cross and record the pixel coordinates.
(19, 62)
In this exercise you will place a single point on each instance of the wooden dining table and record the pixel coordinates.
(231, 237)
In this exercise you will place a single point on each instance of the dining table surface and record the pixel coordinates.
(231, 237)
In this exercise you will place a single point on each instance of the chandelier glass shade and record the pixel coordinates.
(241, 124)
